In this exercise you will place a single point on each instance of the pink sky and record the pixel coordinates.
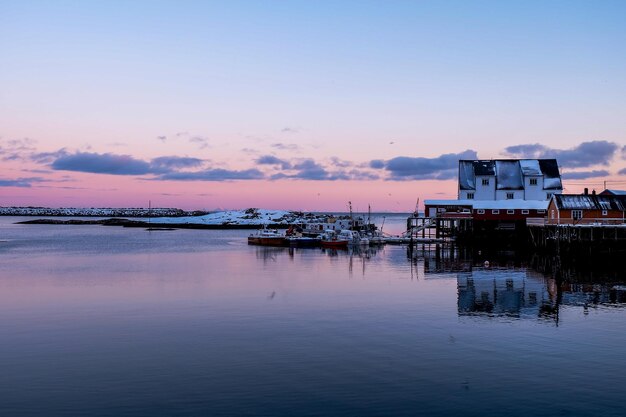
(299, 107)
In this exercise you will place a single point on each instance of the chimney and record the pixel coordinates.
(586, 191)
(593, 192)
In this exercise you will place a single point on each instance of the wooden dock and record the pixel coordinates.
(588, 237)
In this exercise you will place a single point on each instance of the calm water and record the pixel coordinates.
(106, 321)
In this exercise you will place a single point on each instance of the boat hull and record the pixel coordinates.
(267, 241)
(303, 242)
(334, 244)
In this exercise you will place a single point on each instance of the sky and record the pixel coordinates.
(302, 105)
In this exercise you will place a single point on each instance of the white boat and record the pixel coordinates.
(353, 238)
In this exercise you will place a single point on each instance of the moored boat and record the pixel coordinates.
(267, 237)
(303, 241)
(333, 240)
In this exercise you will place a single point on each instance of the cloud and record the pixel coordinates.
(285, 146)
(162, 138)
(169, 163)
(340, 163)
(442, 167)
(16, 149)
(358, 175)
(581, 175)
(201, 141)
(377, 164)
(624, 152)
(272, 160)
(48, 157)
(308, 169)
(101, 164)
(290, 130)
(622, 171)
(20, 182)
(534, 150)
(213, 175)
(584, 155)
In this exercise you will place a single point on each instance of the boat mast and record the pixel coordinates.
(351, 219)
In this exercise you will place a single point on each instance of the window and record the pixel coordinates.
(510, 196)
(470, 196)
(480, 211)
(605, 212)
(577, 214)
(510, 212)
(541, 212)
(533, 181)
(495, 211)
(525, 212)
(485, 181)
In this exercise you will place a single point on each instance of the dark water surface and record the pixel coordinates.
(107, 321)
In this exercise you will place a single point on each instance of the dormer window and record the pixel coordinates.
(470, 196)
(533, 181)
(485, 181)
(510, 196)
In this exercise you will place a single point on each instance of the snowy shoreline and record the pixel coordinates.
(97, 212)
(248, 218)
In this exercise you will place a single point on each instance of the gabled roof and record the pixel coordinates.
(590, 202)
(613, 192)
(510, 173)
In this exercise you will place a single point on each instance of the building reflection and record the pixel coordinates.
(490, 284)
(502, 292)
(509, 284)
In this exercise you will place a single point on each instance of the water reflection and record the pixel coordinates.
(490, 284)
(500, 292)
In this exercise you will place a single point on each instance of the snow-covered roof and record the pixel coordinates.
(614, 192)
(530, 167)
(492, 204)
(590, 202)
(467, 179)
(509, 175)
(552, 183)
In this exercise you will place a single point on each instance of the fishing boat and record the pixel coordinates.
(330, 239)
(267, 237)
(343, 239)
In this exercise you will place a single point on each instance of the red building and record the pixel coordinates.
(587, 209)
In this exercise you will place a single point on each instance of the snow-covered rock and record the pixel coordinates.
(251, 216)
(95, 212)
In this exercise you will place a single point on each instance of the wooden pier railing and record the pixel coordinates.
(591, 222)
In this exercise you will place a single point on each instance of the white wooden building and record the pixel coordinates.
(509, 179)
